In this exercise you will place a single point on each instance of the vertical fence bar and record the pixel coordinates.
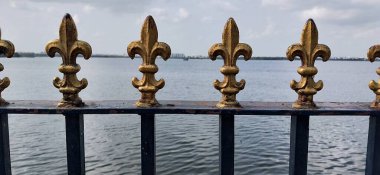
(299, 141)
(148, 145)
(75, 144)
(373, 147)
(5, 158)
(226, 144)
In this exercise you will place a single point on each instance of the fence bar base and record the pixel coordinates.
(75, 144)
(299, 141)
(373, 147)
(226, 144)
(5, 158)
(148, 147)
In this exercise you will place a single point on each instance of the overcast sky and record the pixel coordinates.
(348, 27)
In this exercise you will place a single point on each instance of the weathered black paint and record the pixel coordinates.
(75, 144)
(5, 159)
(373, 147)
(299, 141)
(148, 145)
(189, 107)
(226, 144)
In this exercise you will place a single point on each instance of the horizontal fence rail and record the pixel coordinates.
(299, 130)
(189, 107)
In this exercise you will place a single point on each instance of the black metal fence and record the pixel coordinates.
(299, 131)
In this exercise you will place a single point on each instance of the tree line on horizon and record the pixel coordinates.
(176, 56)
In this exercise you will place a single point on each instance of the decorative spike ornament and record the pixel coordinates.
(230, 49)
(308, 51)
(372, 54)
(69, 47)
(6, 48)
(148, 48)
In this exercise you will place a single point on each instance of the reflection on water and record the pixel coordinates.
(187, 144)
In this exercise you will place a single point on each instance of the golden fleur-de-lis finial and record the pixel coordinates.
(308, 50)
(69, 47)
(6, 48)
(148, 48)
(372, 54)
(230, 49)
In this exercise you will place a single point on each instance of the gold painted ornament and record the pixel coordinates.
(230, 49)
(148, 48)
(308, 50)
(69, 47)
(372, 54)
(8, 49)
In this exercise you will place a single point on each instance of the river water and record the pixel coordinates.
(187, 144)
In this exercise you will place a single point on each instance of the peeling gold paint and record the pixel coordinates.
(230, 49)
(8, 49)
(148, 48)
(308, 50)
(68, 46)
(373, 53)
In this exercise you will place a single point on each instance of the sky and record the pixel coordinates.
(348, 27)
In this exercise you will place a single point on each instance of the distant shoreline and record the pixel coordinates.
(176, 56)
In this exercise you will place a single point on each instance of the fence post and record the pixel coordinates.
(299, 140)
(5, 158)
(148, 145)
(226, 144)
(373, 147)
(75, 144)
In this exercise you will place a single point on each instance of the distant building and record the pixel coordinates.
(178, 55)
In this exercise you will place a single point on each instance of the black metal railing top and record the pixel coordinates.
(299, 130)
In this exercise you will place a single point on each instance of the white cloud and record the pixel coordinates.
(224, 5)
(158, 13)
(327, 14)
(365, 32)
(88, 8)
(366, 2)
(76, 19)
(13, 4)
(164, 15)
(114, 6)
(207, 18)
(30, 6)
(282, 4)
(270, 29)
(181, 15)
(50, 9)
